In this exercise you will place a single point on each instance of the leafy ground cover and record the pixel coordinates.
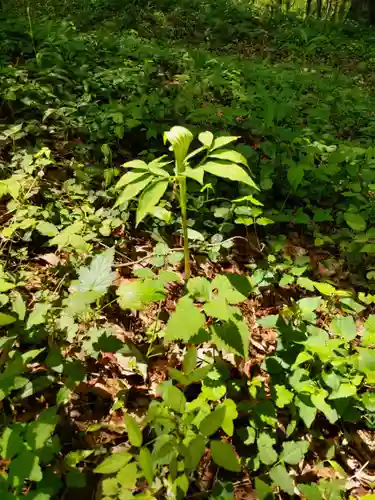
(187, 262)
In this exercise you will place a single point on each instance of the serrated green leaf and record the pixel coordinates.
(98, 276)
(294, 451)
(146, 462)
(230, 171)
(344, 391)
(306, 283)
(149, 198)
(281, 478)
(134, 432)
(283, 396)
(224, 456)
(113, 463)
(185, 322)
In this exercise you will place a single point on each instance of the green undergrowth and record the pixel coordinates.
(193, 317)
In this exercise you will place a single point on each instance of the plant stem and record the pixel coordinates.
(183, 202)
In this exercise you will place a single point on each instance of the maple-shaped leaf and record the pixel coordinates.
(98, 276)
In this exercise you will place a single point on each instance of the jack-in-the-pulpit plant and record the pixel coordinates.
(149, 182)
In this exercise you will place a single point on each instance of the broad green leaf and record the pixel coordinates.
(199, 289)
(283, 396)
(294, 451)
(38, 315)
(310, 491)
(264, 491)
(149, 198)
(98, 276)
(309, 304)
(134, 188)
(5, 286)
(130, 177)
(73, 458)
(229, 171)
(18, 305)
(11, 443)
(307, 411)
(218, 308)
(306, 283)
(233, 287)
(195, 235)
(355, 221)
(196, 173)
(344, 326)
(230, 415)
(134, 432)
(180, 139)
(47, 229)
(347, 302)
(190, 360)
(24, 466)
(267, 453)
(224, 456)
(344, 391)
(232, 336)
(38, 432)
(174, 398)
(195, 451)
(212, 422)
(325, 288)
(185, 322)
(138, 294)
(229, 155)
(140, 164)
(146, 462)
(110, 486)
(220, 142)
(366, 363)
(127, 476)
(6, 319)
(206, 138)
(319, 401)
(282, 479)
(295, 175)
(113, 463)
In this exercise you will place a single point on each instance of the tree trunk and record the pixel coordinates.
(319, 8)
(356, 9)
(308, 7)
